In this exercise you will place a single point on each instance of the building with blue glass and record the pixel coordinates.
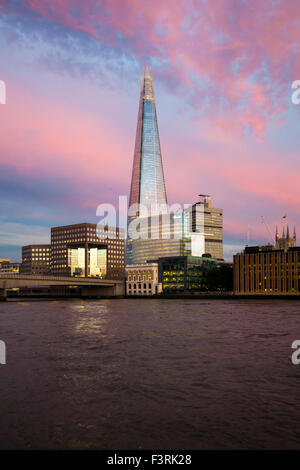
(153, 231)
(147, 191)
(147, 182)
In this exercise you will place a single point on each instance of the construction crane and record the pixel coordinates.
(263, 221)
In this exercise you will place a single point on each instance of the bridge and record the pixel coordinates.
(90, 287)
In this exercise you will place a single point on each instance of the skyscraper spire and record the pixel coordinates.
(147, 183)
(287, 232)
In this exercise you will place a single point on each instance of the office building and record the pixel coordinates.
(142, 279)
(268, 270)
(184, 273)
(36, 259)
(159, 236)
(9, 268)
(203, 214)
(88, 250)
(195, 231)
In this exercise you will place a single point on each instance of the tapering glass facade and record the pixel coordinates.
(147, 183)
(195, 231)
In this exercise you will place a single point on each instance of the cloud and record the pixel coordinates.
(231, 60)
(222, 72)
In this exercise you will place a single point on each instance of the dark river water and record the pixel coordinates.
(149, 374)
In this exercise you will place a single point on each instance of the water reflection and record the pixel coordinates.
(92, 319)
(156, 374)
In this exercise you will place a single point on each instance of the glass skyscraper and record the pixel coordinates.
(147, 183)
(193, 231)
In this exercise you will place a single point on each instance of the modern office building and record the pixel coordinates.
(88, 250)
(159, 236)
(268, 270)
(195, 231)
(142, 279)
(147, 181)
(36, 259)
(184, 273)
(9, 268)
(203, 214)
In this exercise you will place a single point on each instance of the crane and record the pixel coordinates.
(263, 221)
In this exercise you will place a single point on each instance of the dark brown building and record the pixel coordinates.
(267, 270)
(88, 250)
(36, 259)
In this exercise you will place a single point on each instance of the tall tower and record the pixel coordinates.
(147, 182)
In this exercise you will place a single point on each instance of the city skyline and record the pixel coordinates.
(68, 126)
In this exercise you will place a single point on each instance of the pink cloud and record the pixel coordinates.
(224, 42)
(234, 52)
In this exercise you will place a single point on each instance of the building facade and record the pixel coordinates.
(159, 236)
(142, 279)
(88, 250)
(200, 229)
(36, 259)
(184, 273)
(195, 231)
(147, 182)
(285, 241)
(9, 268)
(213, 226)
(267, 270)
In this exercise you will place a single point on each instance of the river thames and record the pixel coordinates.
(149, 374)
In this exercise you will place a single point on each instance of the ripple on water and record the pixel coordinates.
(150, 374)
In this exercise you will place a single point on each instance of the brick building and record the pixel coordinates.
(36, 259)
(87, 250)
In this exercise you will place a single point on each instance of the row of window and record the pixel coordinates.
(140, 285)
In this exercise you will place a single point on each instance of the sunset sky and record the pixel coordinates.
(223, 71)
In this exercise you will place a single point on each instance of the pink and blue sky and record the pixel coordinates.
(223, 71)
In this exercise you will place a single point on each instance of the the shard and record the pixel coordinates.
(147, 191)
(147, 182)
